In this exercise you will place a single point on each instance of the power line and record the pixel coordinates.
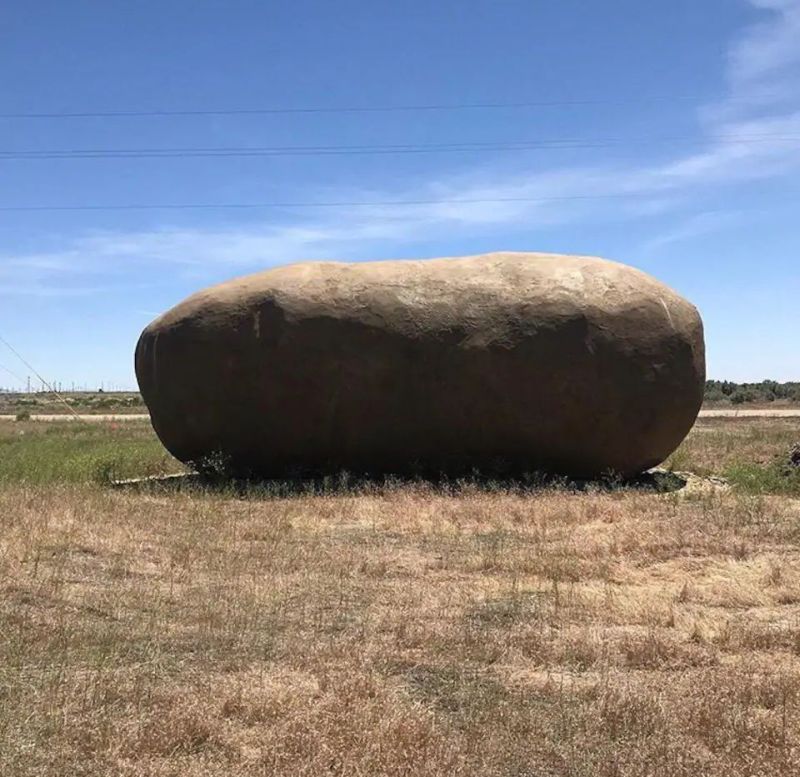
(337, 204)
(319, 204)
(35, 372)
(258, 111)
(13, 374)
(267, 151)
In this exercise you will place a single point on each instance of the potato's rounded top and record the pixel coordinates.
(436, 287)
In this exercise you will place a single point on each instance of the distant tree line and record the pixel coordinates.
(724, 391)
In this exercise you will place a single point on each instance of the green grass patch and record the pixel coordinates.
(716, 446)
(42, 452)
(774, 478)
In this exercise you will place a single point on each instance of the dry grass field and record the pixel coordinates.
(476, 629)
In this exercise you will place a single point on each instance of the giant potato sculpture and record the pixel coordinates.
(567, 364)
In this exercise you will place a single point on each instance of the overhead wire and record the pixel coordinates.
(36, 373)
(326, 150)
(323, 109)
(373, 149)
(13, 374)
(331, 204)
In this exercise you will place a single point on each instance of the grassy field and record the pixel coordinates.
(81, 402)
(751, 453)
(39, 453)
(397, 630)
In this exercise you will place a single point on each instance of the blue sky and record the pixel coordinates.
(678, 124)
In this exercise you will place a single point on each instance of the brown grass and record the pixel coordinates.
(402, 632)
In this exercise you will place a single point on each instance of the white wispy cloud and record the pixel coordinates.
(768, 48)
(703, 223)
(761, 107)
(748, 136)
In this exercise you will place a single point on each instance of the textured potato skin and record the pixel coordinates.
(527, 361)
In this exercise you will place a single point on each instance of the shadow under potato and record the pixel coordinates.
(655, 481)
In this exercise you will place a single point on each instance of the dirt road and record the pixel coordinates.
(776, 412)
(90, 417)
(766, 412)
